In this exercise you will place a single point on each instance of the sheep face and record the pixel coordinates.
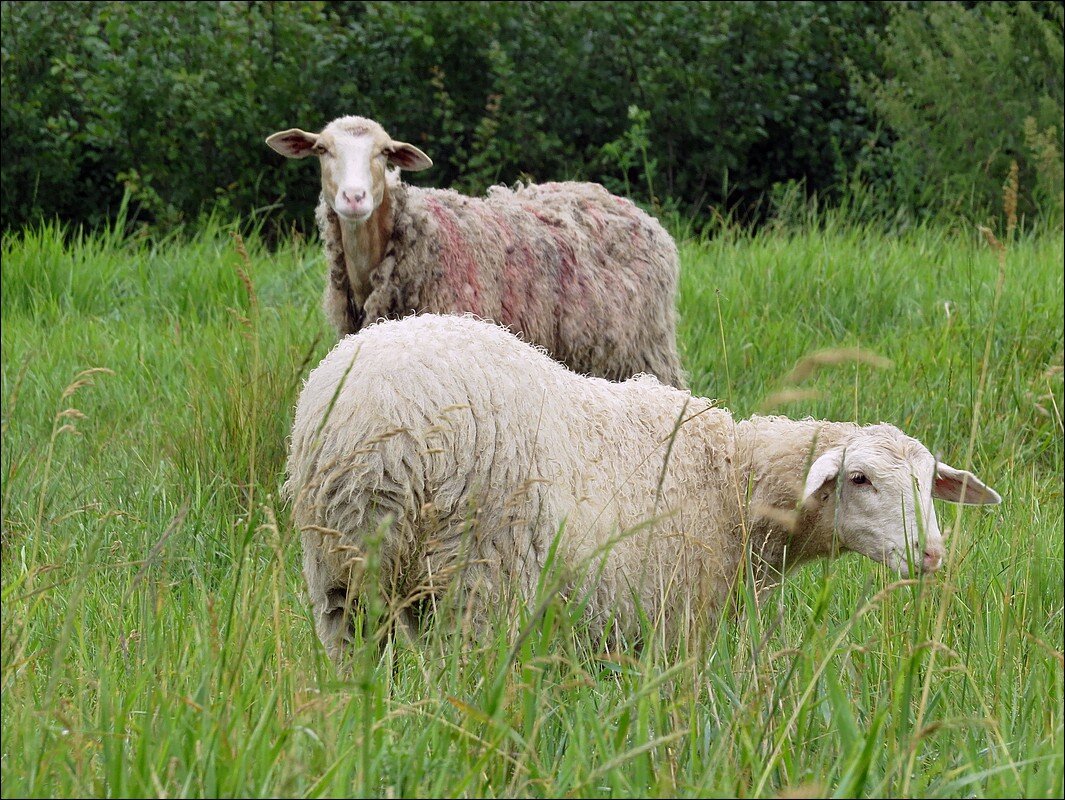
(354, 153)
(875, 498)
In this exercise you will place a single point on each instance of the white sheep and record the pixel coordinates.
(585, 274)
(466, 451)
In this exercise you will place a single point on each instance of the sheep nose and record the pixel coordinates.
(354, 196)
(933, 557)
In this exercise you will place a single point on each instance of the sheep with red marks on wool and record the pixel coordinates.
(568, 266)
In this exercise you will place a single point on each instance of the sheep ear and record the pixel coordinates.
(823, 470)
(407, 156)
(293, 143)
(960, 486)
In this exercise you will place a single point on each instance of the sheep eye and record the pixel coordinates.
(858, 479)
(319, 149)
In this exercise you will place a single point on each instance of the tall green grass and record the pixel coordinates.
(156, 641)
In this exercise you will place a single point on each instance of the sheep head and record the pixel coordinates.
(353, 153)
(873, 495)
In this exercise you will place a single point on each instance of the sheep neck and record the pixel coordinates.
(365, 245)
(777, 456)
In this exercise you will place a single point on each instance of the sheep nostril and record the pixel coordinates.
(933, 557)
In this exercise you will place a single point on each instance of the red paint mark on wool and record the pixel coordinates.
(572, 290)
(593, 213)
(456, 258)
(518, 298)
(573, 293)
(637, 235)
(518, 271)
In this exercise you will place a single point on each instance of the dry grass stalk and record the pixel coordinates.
(808, 365)
(1009, 198)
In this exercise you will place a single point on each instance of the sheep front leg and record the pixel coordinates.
(339, 309)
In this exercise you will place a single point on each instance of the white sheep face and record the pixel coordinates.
(876, 494)
(354, 153)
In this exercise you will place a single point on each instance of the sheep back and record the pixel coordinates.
(569, 266)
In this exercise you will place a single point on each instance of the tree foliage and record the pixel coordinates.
(696, 106)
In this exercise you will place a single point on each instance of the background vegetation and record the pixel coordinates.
(704, 107)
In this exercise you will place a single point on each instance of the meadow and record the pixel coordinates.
(156, 640)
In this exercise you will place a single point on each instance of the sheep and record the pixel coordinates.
(466, 451)
(569, 266)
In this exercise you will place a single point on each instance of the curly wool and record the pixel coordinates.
(586, 274)
(477, 449)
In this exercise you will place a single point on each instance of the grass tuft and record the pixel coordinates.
(156, 640)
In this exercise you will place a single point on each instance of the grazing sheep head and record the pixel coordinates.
(873, 495)
(353, 152)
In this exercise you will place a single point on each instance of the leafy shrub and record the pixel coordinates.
(968, 92)
(170, 100)
(729, 97)
(699, 107)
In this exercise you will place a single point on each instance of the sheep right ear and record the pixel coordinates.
(823, 471)
(407, 156)
(293, 143)
(958, 485)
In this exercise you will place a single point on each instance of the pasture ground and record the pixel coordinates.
(155, 637)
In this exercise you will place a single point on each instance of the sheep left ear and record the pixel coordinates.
(824, 470)
(293, 143)
(960, 486)
(407, 156)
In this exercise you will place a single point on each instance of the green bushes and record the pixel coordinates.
(970, 92)
(171, 100)
(695, 105)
